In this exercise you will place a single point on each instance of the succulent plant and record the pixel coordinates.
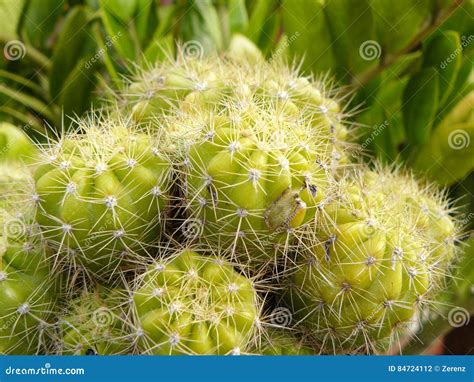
(197, 85)
(373, 261)
(250, 188)
(27, 289)
(15, 145)
(196, 304)
(101, 193)
(96, 323)
(278, 341)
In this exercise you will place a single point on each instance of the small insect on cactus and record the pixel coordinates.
(256, 141)
(27, 290)
(250, 186)
(196, 304)
(101, 193)
(373, 261)
(96, 323)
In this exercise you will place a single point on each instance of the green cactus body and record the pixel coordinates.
(26, 288)
(209, 84)
(101, 196)
(371, 264)
(280, 342)
(251, 188)
(195, 304)
(96, 323)
(15, 145)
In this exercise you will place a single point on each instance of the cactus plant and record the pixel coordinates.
(15, 145)
(213, 84)
(101, 193)
(374, 260)
(96, 323)
(27, 289)
(278, 341)
(257, 141)
(250, 188)
(196, 304)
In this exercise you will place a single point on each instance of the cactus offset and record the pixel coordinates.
(96, 323)
(101, 195)
(371, 262)
(196, 304)
(27, 289)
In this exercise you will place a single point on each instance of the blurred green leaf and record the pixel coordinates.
(121, 9)
(444, 53)
(118, 33)
(420, 103)
(352, 29)
(463, 85)
(69, 48)
(238, 16)
(76, 92)
(449, 154)
(160, 48)
(259, 14)
(39, 21)
(398, 22)
(312, 40)
(28, 101)
(145, 20)
(10, 13)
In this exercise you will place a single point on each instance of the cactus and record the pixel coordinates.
(196, 85)
(283, 342)
(96, 323)
(15, 145)
(250, 186)
(27, 288)
(101, 193)
(196, 304)
(257, 142)
(372, 262)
